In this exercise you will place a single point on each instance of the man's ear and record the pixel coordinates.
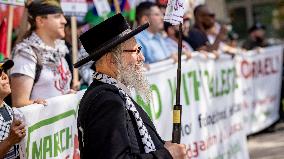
(144, 19)
(110, 60)
(39, 21)
(112, 65)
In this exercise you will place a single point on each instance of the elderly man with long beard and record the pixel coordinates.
(111, 124)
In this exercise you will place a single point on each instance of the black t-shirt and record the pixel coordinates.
(196, 38)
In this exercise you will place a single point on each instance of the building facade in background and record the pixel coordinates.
(244, 13)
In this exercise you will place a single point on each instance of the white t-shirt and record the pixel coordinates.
(51, 83)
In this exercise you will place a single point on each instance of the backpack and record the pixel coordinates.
(38, 66)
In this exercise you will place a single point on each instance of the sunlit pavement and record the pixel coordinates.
(268, 144)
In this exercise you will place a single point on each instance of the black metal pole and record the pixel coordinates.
(177, 111)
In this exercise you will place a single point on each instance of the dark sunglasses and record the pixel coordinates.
(138, 50)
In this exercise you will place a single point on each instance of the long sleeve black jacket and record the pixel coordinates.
(108, 131)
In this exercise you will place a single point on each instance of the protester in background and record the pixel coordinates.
(213, 32)
(40, 70)
(204, 21)
(186, 25)
(153, 44)
(68, 42)
(110, 123)
(233, 38)
(227, 45)
(12, 130)
(256, 37)
(172, 40)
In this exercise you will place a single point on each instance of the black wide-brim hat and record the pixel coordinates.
(100, 39)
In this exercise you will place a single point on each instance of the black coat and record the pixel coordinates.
(109, 130)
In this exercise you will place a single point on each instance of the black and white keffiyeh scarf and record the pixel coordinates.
(34, 47)
(146, 138)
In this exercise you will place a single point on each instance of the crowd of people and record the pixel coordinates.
(160, 41)
(42, 68)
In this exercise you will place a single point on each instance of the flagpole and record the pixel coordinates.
(116, 6)
(177, 111)
(75, 79)
(10, 27)
(174, 15)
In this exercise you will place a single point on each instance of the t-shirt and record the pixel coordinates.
(51, 82)
(154, 46)
(6, 118)
(54, 77)
(196, 38)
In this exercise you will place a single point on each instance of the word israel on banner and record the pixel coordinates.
(174, 12)
(74, 7)
(259, 87)
(13, 2)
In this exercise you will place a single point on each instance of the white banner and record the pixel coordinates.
(259, 87)
(217, 96)
(52, 129)
(212, 126)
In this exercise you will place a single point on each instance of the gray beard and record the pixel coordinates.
(133, 77)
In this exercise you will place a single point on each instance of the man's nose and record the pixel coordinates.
(63, 20)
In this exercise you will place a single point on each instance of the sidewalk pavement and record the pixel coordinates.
(268, 144)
